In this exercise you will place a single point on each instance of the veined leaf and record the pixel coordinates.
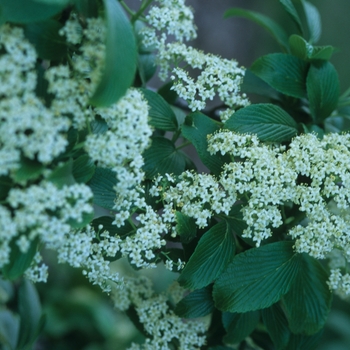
(268, 121)
(257, 278)
(214, 251)
(308, 301)
(62, 175)
(300, 341)
(121, 57)
(285, 73)
(322, 89)
(313, 20)
(289, 7)
(271, 26)
(161, 115)
(185, 227)
(83, 169)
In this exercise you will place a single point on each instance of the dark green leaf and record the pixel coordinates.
(99, 125)
(196, 304)
(313, 20)
(289, 7)
(276, 324)
(196, 128)
(29, 170)
(19, 262)
(240, 326)
(163, 157)
(169, 95)
(285, 73)
(5, 186)
(62, 175)
(179, 114)
(322, 89)
(48, 44)
(120, 61)
(308, 301)
(146, 66)
(161, 115)
(257, 278)
(271, 26)
(185, 227)
(83, 169)
(214, 251)
(87, 8)
(30, 313)
(29, 11)
(9, 329)
(102, 185)
(303, 342)
(269, 122)
(107, 222)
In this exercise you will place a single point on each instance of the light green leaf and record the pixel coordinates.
(29, 11)
(102, 185)
(185, 227)
(308, 301)
(199, 303)
(322, 90)
(161, 115)
(121, 57)
(214, 251)
(257, 278)
(322, 53)
(240, 326)
(289, 7)
(276, 324)
(196, 128)
(163, 157)
(83, 169)
(268, 121)
(271, 26)
(313, 20)
(285, 73)
(29, 170)
(48, 44)
(62, 175)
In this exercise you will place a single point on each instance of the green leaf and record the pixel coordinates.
(86, 219)
(102, 185)
(9, 329)
(19, 262)
(121, 57)
(87, 8)
(196, 304)
(5, 186)
(269, 122)
(271, 26)
(214, 251)
(146, 66)
(240, 326)
(289, 7)
(29, 170)
(322, 53)
(313, 20)
(308, 302)
(99, 125)
(196, 128)
(185, 227)
(163, 157)
(107, 222)
(62, 175)
(169, 95)
(257, 278)
(322, 90)
(285, 73)
(276, 324)
(29, 11)
(30, 311)
(161, 115)
(301, 342)
(48, 44)
(83, 169)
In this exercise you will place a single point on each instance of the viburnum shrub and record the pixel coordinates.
(93, 166)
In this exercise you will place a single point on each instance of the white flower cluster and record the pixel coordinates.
(27, 126)
(158, 320)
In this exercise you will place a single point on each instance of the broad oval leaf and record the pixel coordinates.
(290, 8)
(322, 90)
(199, 303)
(308, 301)
(185, 227)
(196, 128)
(271, 26)
(161, 115)
(257, 278)
(121, 57)
(214, 251)
(29, 170)
(300, 341)
(83, 169)
(313, 20)
(62, 175)
(163, 157)
(285, 73)
(29, 11)
(268, 121)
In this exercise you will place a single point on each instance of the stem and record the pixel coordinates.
(176, 135)
(144, 5)
(184, 145)
(127, 8)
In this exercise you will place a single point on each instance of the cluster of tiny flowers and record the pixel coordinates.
(38, 271)
(26, 123)
(158, 319)
(70, 86)
(218, 76)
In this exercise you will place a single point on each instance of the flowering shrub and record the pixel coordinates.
(92, 168)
